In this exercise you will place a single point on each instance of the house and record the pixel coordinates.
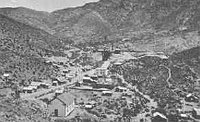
(70, 76)
(184, 116)
(94, 77)
(29, 89)
(88, 106)
(87, 67)
(59, 92)
(61, 80)
(88, 81)
(106, 93)
(45, 85)
(121, 89)
(196, 113)
(117, 51)
(191, 98)
(65, 71)
(109, 80)
(55, 83)
(159, 117)
(62, 105)
(36, 84)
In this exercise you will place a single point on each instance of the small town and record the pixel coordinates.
(102, 93)
(99, 60)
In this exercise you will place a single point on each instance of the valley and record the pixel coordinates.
(105, 61)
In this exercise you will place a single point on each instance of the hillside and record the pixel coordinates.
(160, 25)
(164, 25)
(152, 24)
(22, 48)
(160, 79)
(27, 16)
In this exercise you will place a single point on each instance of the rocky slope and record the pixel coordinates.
(155, 24)
(22, 48)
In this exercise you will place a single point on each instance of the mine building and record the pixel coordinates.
(103, 70)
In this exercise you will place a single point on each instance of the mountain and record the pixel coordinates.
(27, 16)
(158, 25)
(148, 24)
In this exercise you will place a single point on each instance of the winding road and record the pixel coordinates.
(169, 75)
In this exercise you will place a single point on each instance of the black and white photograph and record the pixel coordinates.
(99, 60)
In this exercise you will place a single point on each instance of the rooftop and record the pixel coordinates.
(105, 64)
(36, 83)
(159, 114)
(197, 110)
(66, 98)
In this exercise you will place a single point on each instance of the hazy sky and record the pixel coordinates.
(44, 5)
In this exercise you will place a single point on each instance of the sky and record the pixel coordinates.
(44, 5)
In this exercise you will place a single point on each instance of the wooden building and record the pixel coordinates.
(62, 105)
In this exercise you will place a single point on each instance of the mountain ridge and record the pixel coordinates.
(149, 21)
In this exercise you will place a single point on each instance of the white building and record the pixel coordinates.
(62, 105)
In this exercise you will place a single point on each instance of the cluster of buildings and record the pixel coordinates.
(34, 86)
(44, 84)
